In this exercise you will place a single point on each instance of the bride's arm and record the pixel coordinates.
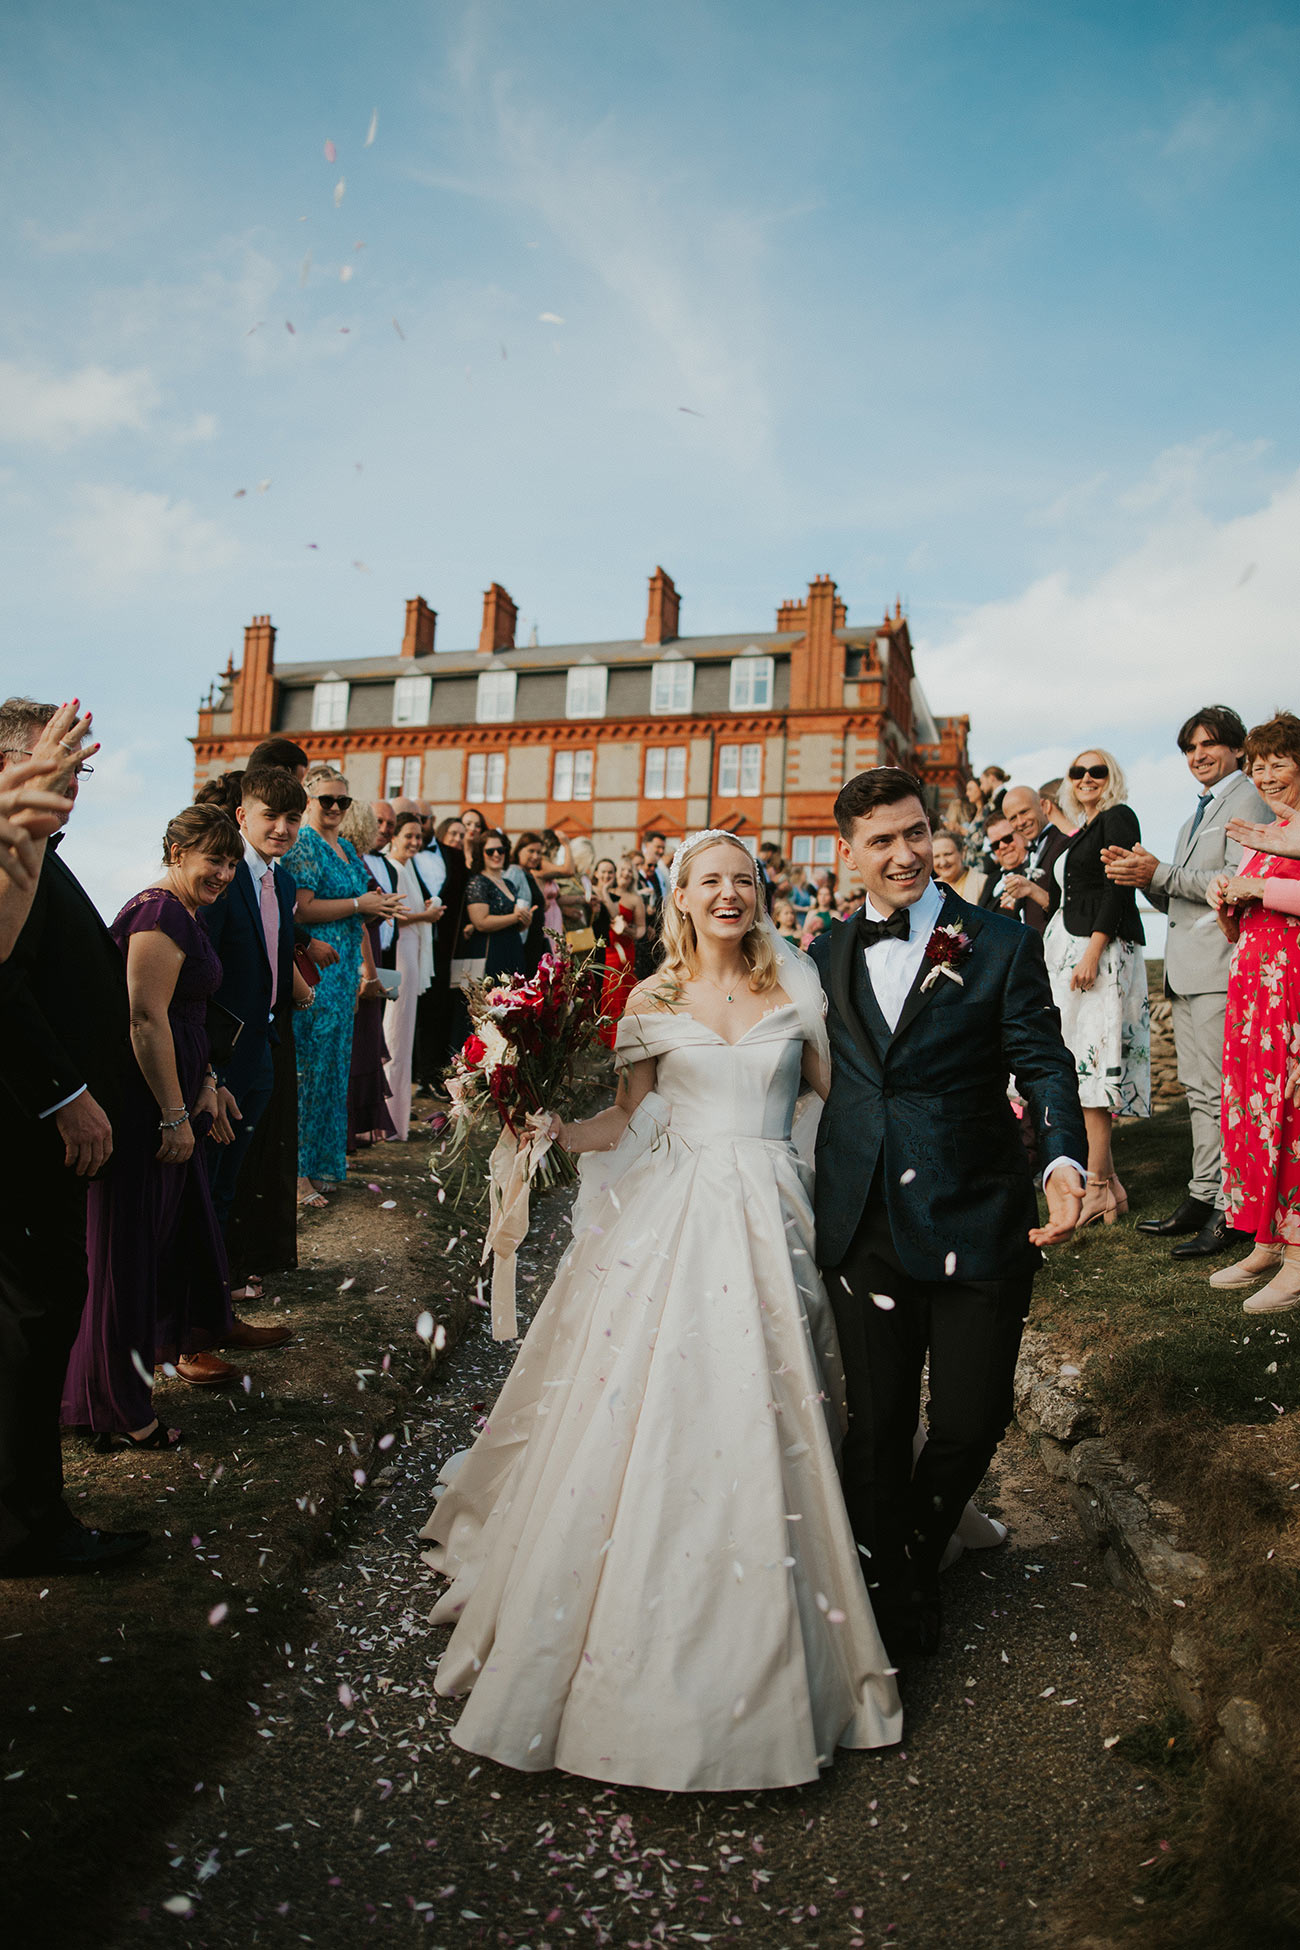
(602, 1132)
(815, 1072)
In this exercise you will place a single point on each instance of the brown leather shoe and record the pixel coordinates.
(243, 1334)
(205, 1370)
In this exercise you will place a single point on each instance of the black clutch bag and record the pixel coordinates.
(224, 1031)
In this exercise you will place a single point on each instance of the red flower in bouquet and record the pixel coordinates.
(947, 947)
(473, 1050)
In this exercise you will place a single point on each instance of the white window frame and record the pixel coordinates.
(329, 705)
(573, 775)
(729, 770)
(394, 778)
(665, 772)
(412, 700)
(411, 776)
(586, 688)
(824, 850)
(751, 771)
(672, 687)
(485, 778)
(752, 683)
(494, 697)
(675, 769)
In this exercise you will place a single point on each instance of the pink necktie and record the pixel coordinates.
(270, 907)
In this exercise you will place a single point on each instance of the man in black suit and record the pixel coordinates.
(66, 1034)
(927, 1222)
(252, 930)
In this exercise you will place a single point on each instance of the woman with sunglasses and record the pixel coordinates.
(1093, 946)
(498, 919)
(335, 900)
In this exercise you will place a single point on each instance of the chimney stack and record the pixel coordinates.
(253, 705)
(817, 666)
(499, 618)
(421, 622)
(664, 608)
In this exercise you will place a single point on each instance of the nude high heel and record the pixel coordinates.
(1106, 1206)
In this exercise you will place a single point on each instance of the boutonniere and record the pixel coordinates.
(946, 947)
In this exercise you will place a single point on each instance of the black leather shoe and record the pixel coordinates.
(1191, 1216)
(62, 1552)
(1215, 1236)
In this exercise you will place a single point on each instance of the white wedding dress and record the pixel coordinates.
(653, 1577)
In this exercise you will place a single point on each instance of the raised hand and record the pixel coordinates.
(1282, 836)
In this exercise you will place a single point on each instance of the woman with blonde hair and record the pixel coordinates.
(632, 1599)
(1093, 945)
(949, 867)
(335, 900)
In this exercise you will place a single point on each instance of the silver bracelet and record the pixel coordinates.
(174, 1123)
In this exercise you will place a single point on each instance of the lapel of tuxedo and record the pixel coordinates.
(853, 994)
(919, 996)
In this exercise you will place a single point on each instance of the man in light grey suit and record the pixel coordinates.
(1197, 957)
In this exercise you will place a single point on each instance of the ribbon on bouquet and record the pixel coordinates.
(514, 1163)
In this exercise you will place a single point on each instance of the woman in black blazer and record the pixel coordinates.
(1093, 946)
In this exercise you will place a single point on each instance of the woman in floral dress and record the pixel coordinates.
(1261, 1124)
(335, 900)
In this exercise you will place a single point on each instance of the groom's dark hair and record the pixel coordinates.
(883, 785)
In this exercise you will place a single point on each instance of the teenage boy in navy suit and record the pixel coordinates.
(252, 931)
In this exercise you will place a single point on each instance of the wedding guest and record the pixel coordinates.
(1198, 958)
(279, 752)
(368, 1119)
(954, 819)
(385, 822)
(621, 910)
(1259, 910)
(251, 929)
(553, 866)
(439, 1002)
(814, 924)
(66, 1023)
(769, 861)
(521, 874)
(1049, 798)
(801, 893)
(414, 964)
(334, 901)
(1093, 947)
(158, 1284)
(984, 799)
(575, 895)
(498, 919)
(950, 868)
(786, 923)
(224, 791)
(475, 825)
(653, 846)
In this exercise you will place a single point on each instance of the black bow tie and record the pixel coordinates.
(897, 925)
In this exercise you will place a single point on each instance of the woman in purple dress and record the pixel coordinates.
(158, 1285)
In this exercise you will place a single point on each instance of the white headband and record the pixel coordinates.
(693, 840)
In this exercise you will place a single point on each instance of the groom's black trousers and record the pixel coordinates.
(971, 1330)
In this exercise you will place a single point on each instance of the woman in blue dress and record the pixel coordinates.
(335, 900)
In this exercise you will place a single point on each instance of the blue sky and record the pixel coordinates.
(990, 306)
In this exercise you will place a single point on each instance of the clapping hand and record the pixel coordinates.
(33, 803)
(381, 907)
(1129, 866)
(1283, 836)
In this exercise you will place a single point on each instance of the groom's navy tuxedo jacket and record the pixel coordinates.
(929, 1102)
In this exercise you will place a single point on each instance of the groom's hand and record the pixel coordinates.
(1064, 1194)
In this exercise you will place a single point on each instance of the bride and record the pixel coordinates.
(653, 1579)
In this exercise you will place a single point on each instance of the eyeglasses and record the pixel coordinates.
(1078, 772)
(332, 802)
(82, 771)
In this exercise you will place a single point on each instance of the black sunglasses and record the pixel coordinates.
(1008, 839)
(1089, 772)
(331, 803)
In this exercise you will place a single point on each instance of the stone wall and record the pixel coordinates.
(1165, 1087)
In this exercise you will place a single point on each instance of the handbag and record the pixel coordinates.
(305, 966)
(390, 981)
(224, 1029)
(466, 969)
(580, 941)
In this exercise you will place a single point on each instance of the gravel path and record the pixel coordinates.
(351, 1816)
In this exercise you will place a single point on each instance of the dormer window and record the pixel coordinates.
(412, 697)
(585, 690)
(329, 706)
(751, 681)
(672, 685)
(495, 702)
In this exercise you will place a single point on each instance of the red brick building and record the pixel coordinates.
(755, 730)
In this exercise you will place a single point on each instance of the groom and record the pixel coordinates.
(927, 1222)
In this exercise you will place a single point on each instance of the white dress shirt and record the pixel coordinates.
(893, 965)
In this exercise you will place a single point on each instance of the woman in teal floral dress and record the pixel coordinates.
(334, 903)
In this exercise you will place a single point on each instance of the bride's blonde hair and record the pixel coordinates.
(681, 952)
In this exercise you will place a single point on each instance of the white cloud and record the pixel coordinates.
(53, 410)
(128, 537)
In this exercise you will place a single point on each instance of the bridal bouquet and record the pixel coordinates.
(515, 1069)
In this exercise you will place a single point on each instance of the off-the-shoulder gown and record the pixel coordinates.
(653, 1577)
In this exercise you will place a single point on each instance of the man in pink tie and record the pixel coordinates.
(252, 931)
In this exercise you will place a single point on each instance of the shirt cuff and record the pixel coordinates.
(62, 1102)
(1064, 1161)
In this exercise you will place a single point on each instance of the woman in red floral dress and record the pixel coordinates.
(1261, 1121)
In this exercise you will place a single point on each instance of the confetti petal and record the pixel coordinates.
(331, 153)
